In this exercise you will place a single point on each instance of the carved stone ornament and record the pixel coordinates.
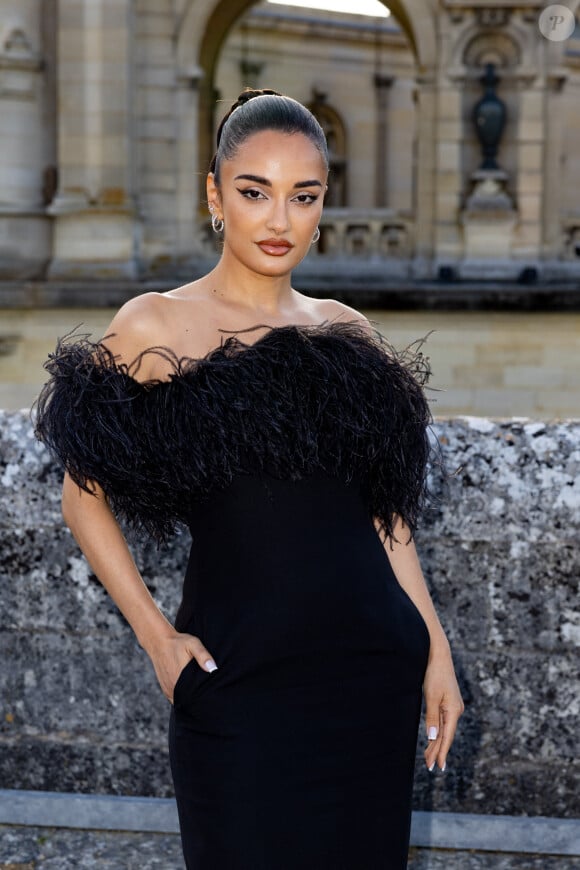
(492, 16)
(495, 47)
(489, 118)
(17, 44)
(16, 52)
(18, 66)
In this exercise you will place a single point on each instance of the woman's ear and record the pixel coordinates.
(213, 194)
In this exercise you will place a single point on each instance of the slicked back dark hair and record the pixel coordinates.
(257, 110)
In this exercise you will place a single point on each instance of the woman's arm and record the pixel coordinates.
(444, 704)
(97, 533)
(136, 326)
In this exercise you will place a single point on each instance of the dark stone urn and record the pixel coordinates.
(489, 117)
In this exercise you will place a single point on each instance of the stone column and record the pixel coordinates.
(529, 178)
(26, 139)
(448, 176)
(93, 210)
(554, 119)
(189, 171)
(383, 84)
(426, 171)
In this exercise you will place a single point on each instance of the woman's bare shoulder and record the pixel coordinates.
(141, 323)
(340, 311)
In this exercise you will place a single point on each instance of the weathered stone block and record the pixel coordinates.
(81, 687)
(88, 767)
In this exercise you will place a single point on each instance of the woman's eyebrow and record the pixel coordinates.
(257, 179)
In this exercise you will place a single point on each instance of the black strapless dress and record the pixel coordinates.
(298, 752)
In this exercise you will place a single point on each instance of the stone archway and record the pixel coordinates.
(206, 30)
(202, 29)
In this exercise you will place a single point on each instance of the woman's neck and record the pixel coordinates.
(248, 291)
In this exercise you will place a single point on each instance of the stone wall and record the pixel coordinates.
(80, 709)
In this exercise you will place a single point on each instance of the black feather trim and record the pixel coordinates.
(335, 397)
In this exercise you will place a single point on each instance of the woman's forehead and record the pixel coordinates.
(276, 149)
(287, 142)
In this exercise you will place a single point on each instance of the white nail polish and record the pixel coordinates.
(431, 768)
(432, 733)
(211, 666)
(444, 767)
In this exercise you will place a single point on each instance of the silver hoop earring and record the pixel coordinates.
(217, 224)
(316, 235)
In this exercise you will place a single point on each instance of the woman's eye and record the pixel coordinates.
(301, 198)
(252, 193)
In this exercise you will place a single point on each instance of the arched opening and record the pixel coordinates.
(336, 138)
(414, 17)
(201, 40)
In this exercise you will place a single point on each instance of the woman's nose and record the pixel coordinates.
(278, 220)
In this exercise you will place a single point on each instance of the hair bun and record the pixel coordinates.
(249, 94)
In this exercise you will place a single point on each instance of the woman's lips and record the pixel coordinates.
(275, 247)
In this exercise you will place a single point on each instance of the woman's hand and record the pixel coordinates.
(444, 707)
(442, 696)
(171, 654)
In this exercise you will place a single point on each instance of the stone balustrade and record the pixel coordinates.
(571, 238)
(369, 233)
(349, 234)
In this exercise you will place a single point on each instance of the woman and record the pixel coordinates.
(306, 633)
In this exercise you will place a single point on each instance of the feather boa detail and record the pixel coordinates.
(335, 397)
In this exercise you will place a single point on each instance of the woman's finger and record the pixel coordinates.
(173, 658)
(450, 718)
(441, 728)
(433, 733)
(201, 654)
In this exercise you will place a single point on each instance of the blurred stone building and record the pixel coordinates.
(108, 117)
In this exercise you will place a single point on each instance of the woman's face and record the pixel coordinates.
(270, 198)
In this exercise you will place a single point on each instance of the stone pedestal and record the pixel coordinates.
(95, 243)
(488, 219)
(25, 244)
